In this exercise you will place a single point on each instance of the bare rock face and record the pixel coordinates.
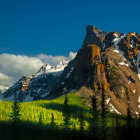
(84, 66)
(94, 36)
(112, 61)
(25, 84)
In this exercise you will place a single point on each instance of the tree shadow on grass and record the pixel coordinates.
(73, 109)
(34, 131)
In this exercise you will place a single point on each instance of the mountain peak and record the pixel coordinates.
(44, 68)
(95, 30)
(110, 60)
(94, 36)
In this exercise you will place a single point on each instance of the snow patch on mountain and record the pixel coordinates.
(139, 99)
(136, 113)
(133, 33)
(134, 91)
(116, 35)
(43, 69)
(123, 63)
(48, 69)
(72, 68)
(116, 41)
(107, 100)
(113, 109)
(138, 65)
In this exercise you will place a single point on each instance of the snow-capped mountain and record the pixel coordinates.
(112, 61)
(48, 69)
(38, 85)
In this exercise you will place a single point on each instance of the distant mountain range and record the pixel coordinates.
(107, 59)
(37, 86)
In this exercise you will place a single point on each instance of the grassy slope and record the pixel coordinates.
(32, 111)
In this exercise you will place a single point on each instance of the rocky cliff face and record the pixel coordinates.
(110, 60)
(106, 59)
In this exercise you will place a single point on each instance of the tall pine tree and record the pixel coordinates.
(94, 123)
(128, 133)
(128, 119)
(15, 114)
(52, 121)
(66, 116)
(103, 113)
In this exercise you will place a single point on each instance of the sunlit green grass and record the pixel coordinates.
(43, 109)
(33, 111)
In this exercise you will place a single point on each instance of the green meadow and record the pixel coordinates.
(40, 112)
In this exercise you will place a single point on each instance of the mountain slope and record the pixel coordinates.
(112, 61)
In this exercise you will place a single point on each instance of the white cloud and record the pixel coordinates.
(18, 65)
(72, 55)
(13, 67)
(54, 60)
(5, 80)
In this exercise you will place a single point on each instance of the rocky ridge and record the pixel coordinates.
(111, 60)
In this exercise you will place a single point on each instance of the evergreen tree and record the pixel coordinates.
(128, 116)
(15, 114)
(52, 121)
(103, 113)
(128, 119)
(94, 124)
(66, 116)
(66, 100)
(128, 133)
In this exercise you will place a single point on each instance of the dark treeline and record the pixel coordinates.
(98, 126)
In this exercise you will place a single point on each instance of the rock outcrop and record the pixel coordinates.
(111, 61)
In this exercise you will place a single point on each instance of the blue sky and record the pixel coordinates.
(56, 27)
(34, 32)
